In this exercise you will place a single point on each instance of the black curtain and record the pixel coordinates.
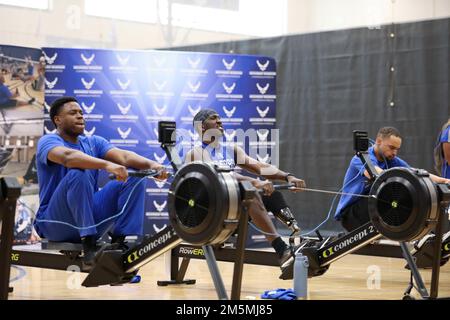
(331, 83)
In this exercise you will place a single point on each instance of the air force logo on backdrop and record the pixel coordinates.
(124, 115)
(262, 93)
(263, 119)
(88, 108)
(263, 141)
(124, 134)
(229, 113)
(229, 65)
(159, 212)
(124, 141)
(87, 90)
(87, 60)
(229, 72)
(262, 112)
(261, 70)
(229, 89)
(262, 134)
(50, 60)
(124, 84)
(263, 90)
(124, 109)
(50, 85)
(263, 66)
(194, 67)
(88, 84)
(88, 64)
(160, 207)
(230, 94)
(50, 63)
(194, 94)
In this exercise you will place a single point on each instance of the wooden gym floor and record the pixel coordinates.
(353, 277)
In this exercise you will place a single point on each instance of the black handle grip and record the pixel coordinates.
(283, 186)
(139, 174)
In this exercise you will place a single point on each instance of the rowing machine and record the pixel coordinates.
(404, 206)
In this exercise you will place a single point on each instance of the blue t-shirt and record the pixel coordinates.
(50, 174)
(5, 94)
(355, 182)
(445, 138)
(221, 155)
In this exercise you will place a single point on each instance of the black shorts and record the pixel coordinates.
(356, 215)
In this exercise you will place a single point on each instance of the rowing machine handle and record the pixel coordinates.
(283, 186)
(138, 174)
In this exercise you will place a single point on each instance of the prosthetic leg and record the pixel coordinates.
(276, 204)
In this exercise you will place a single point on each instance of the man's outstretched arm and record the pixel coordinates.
(131, 159)
(265, 170)
(71, 158)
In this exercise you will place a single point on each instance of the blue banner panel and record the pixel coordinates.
(124, 94)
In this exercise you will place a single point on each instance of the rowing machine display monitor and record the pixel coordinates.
(204, 203)
(167, 132)
(360, 141)
(405, 206)
(168, 138)
(361, 146)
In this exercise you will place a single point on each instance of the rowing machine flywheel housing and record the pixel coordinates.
(405, 207)
(204, 203)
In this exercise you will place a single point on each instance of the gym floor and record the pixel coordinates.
(350, 278)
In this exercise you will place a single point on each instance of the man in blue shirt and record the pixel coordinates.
(208, 124)
(72, 208)
(353, 211)
(442, 151)
(8, 99)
